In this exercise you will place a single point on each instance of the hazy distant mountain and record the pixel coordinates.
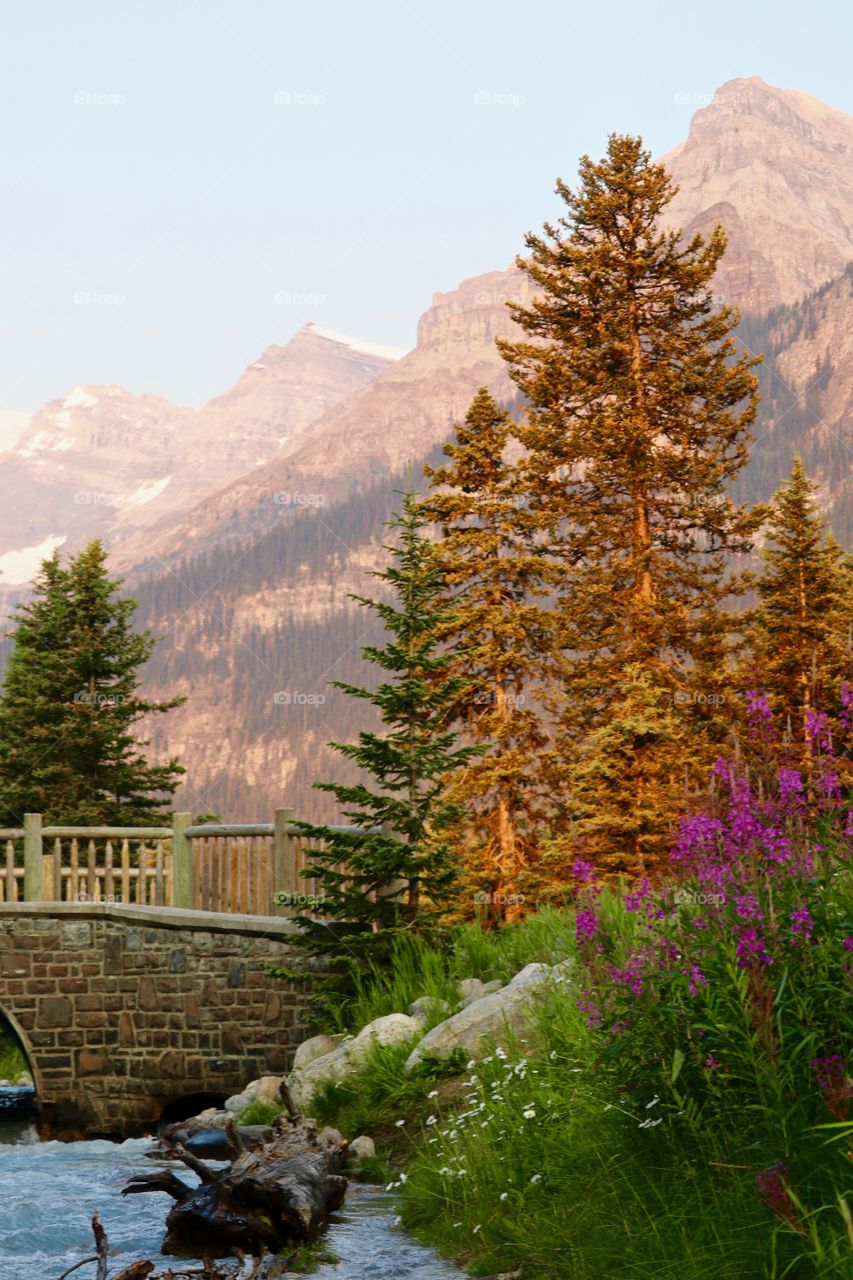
(104, 461)
(399, 416)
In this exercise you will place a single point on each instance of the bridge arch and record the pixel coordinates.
(8, 1019)
(122, 1011)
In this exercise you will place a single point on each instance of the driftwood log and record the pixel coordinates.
(278, 1196)
(266, 1267)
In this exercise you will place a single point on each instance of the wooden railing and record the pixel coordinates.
(251, 869)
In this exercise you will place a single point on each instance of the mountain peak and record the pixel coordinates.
(775, 166)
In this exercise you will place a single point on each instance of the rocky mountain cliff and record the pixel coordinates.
(104, 461)
(775, 167)
(402, 414)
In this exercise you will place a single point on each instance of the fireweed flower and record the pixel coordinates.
(802, 924)
(772, 1186)
(818, 731)
(759, 716)
(586, 925)
(751, 950)
(834, 1083)
(584, 872)
(630, 975)
(695, 978)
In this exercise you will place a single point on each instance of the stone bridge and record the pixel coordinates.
(124, 1011)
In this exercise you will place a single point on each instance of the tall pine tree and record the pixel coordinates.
(800, 632)
(401, 870)
(496, 635)
(70, 703)
(639, 410)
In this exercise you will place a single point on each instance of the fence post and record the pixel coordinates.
(33, 859)
(284, 873)
(182, 861)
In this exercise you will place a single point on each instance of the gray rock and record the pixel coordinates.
(360, 1149)
(394, 1028)
(482, 989)
(491, 1020)
(427, 1008)
(316, 1047)
(266, 1089)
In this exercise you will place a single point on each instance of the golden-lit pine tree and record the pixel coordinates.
(628, 776)
(496, 633)
(639, 409)
(799, 635)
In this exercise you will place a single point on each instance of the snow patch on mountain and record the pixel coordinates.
(13, 424)
(147, 492)
(356, 344)
(19, 567)
(80, 398)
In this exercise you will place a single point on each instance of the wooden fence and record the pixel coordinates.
(252, 869)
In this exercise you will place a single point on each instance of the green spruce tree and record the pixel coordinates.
(639, 411)
(800, 632)
(70, 703)
(496, 634)
(399, 870)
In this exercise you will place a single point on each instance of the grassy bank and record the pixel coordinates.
(681, 1108)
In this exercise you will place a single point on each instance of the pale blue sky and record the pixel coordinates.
(184, 182)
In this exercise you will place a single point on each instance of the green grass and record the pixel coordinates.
(310, 1257)
(12, 1060)
(261, 1113)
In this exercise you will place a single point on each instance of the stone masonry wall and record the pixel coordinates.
(121, 1014)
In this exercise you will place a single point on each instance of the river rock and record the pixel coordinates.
(360, 1149)
(490, 1020)
(316, 1047)
(212, 1144)
(394, 1028)
(266, 1089)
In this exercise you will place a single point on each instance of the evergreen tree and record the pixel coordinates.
(70, 702)
(800, 633)
(638, 418)
(628, 779)
(399, 872)
(495, 634)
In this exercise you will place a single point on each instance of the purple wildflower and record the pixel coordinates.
(834, 1083)
(802, 923)
(751, 949)
(772, 1187)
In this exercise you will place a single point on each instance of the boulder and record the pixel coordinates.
(429, 1008)
(213, 1144)
(316, 1047)
(266, 1089)
(471, 989)
(491, 1020)
(360, 1149)
(394, 1028)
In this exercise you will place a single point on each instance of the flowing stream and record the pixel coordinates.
(49, 1191)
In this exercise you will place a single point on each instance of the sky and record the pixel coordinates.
(185, 182)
